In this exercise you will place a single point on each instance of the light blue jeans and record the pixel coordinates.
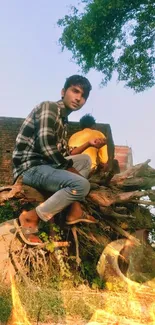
(66, 186)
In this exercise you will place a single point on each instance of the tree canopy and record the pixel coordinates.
(113, 35)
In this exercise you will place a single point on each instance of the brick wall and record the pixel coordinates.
(124, 155)
(9, 128)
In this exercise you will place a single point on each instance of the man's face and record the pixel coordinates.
(73, 97)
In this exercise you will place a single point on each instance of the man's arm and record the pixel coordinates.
(96, 143)
(46, 135)
(80, 149)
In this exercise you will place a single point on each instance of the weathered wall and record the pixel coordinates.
(8, 131)
(9, 128)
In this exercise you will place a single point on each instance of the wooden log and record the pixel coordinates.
(21, 192)
(140, 176)
(122, 188)
(107, 197)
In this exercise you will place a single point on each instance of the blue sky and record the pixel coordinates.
(33, 69)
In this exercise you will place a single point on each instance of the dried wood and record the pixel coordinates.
(113, 205)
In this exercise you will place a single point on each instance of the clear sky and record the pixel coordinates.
(33, 69)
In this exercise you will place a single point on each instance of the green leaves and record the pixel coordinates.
(113, 35)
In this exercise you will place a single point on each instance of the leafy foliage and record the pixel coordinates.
(113, 35)
(12, 209)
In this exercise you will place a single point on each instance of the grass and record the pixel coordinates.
(59, 300)
(55, 301)
(52, 301)
(5, 303)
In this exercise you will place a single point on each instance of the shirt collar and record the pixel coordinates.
(63, 113)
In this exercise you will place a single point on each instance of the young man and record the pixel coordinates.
(40, 156)
(83, 142)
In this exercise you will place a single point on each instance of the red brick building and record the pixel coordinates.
(10, 126)
(124, 156)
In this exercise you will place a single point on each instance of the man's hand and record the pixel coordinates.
(98, 142)
(73, 170)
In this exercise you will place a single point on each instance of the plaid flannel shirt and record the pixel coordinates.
(42, 139)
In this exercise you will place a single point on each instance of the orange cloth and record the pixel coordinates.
(81, 137)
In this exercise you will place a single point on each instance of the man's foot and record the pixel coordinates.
(76, 214)
(84, 218)
(27, 225)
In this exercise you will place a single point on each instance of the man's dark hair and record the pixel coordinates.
(87, 121)
(80, 81)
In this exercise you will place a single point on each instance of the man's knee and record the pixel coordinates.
(87, 159)
(86, 165)
(83, 160)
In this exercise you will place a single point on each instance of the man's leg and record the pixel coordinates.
(67, 188)
(82, 163)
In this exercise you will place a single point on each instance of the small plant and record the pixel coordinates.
(7, 211)
(61, 255)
